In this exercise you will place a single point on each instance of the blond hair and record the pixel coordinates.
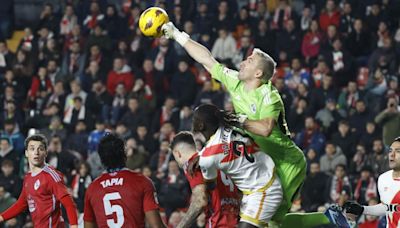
(267, 64)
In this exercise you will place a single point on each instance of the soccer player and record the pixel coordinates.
(223, 208)
(43, 190)
(261, 106)
(120, 197)
(251, 170)
(389, 191)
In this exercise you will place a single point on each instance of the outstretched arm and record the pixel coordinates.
(197, 51)
(199, 201)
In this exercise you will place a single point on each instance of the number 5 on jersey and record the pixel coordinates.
(111, 209)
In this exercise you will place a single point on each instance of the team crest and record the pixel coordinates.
(36, 185)
(253, 108)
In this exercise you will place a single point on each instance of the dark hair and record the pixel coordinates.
(212, 117)
(183, 137)
(7, 162)
(112, 151)
(397, 139)
(36, 137)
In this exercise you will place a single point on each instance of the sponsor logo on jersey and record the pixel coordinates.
(36, 185)
(31, 204)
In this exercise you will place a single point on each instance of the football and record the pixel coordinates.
(151, 21)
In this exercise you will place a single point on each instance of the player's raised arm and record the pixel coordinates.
(197, 51)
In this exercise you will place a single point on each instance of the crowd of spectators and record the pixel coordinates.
(86, 69)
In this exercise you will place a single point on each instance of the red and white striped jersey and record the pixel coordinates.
(238, 157)
(389, 191)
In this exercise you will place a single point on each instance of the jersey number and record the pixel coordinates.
(111, 209)
(239, 148)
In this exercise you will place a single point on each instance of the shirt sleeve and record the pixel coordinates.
(228, 77)
(272, 105)
(196, 179)
(18, 207)
(208, 168)
(150, 201)
(61, 192)
(88, 213)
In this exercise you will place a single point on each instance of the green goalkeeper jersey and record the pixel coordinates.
(258, 104)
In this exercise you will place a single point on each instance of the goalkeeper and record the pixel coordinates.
(260, 107)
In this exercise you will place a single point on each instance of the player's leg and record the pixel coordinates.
(292, 176)
(258, 207)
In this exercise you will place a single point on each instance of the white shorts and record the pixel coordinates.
(258, 207)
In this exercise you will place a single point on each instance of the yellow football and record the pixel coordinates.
(151, 21)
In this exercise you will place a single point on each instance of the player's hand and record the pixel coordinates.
(236, 120)
(193, 166)
(353, 208)
(169, 30)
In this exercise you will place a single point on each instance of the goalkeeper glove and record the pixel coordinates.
(171, 32)
(353, 208)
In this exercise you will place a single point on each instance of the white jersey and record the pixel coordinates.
(238, 157)
(389, 191)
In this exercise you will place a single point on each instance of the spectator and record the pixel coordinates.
(203, 20)
(245, 49)
(90, 75)
(174, 191)
(123, 131)
(222, 19)
(333, 156)
(73, 62)
(330, 16)
(119, 104)
(6, 56)
(11, 112)
(95, 136)
(28, 43)
(41, 87)
(113, 24)
(68, 21)
(76, 91)
(164, 57)
(311, 43)
(79, 185)
(348, 97)
(311, 137)
(306, 19)
(55, 127)
(280, 22)
(359, 118)
(186, 115)
(23, 67)
(7, 152)
(265, 38)
(99, 38)
(321, 95)
(48, 18)
(297, 116)
(314, 187)
(121, 73)
(389, 119)
(339, 184)
(159, 161)
(359, 43)
(102, 100)
(77, 140)
(134, 115)
(346, 20)
(184, 95)
(60, 158)
(9, 179)
(345, 139)
(359, 159)
(370, 134)
(289, 40)
(77, 113)
(286, 95)
(328, 117)
(370, 221)
(54, 71)
(375, 16)
(12, 132)
(145, 95)
(168, 112)
(378, 159)
(297, 75)
(365, 188)
(58, 97)
(224, 47)
(136, 154)
(144, 139)
(93, 18)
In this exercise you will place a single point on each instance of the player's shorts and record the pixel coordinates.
(258, 207)
(292, 176)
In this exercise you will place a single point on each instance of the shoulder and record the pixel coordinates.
(385, 176)
(54, 174)
(135, 177)
(268, 93)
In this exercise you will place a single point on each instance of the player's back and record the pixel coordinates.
(240, 158)
(119, 199)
